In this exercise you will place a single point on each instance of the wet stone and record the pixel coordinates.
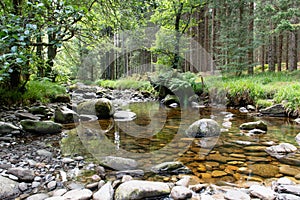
(262, 192)
(236, 194)
(78, 194)
(40, 196)
(51, 185)
(264, 170)
(180, 193)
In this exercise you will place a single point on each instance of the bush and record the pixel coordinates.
(42, 90)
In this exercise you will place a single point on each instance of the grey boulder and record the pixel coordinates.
(203, 128)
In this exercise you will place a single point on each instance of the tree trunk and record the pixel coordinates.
(287, 51)
(251, 35)
(175, 64)
(263, 58)
(279, 56)
(271, 53)
(293, 51)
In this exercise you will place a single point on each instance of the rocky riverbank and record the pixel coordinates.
(33, 167)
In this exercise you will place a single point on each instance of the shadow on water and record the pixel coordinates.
(158, 135)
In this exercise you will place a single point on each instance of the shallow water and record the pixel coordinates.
(158, 135)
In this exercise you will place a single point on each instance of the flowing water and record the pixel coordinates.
(158, 135)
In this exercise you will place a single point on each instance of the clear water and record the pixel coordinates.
(158, 135)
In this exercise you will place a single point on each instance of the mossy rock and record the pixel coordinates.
(102, 108)
(254, 125)
(203, 128)
(41, 127)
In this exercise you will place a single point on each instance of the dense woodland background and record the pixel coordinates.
(67, 39)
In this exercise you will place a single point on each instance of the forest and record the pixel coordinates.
(63, 41)
(149, 99)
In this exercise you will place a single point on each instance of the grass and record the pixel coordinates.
(128, 83)
(36, 90)
(279, 86)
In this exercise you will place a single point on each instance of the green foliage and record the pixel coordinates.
(291, 94)
(278, 86)
(263, 103)
(42, 90)
(128, 83)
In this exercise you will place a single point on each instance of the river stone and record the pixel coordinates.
(298, 138)
(137, 189)
(9, 188)
(254, 125)
(39, 196)
(25, 175)
(44, 152)
(61, 98)
(41, 127)
(264, 170)
(170, 99)
(203, 128)
(65, 115)
(170, 168)
(78, 194)
(133, 173)
(6, 128)
(102, 108)
(281, 150)
(42, 110)
(277, 110)
(56, 198)
(288, 170)
(287, 197)
(180, 193)
(106, 192)
(262, 192)
(118, 163)
(124, 116)
(257, 131)
(297, 120)
(236, 194)
(291, 189)
(25, 115)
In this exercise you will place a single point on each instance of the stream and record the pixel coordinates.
(157, 135)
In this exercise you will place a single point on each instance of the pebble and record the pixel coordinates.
(51, 185)
(23, 186)
(43, 152)
(67, 160)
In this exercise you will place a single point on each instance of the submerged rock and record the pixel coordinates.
(102, 108)
(124, 116)
(65, 115)
(254, 125)
(136, 189)
(264, 170)
(277, 110)
(203, 128)
(42, 127)
(6, 128)
(170, 168)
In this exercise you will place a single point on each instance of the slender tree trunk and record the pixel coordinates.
(287, 51)
(271, 52)
(263, 58)
(251, 35)
(279, 56)
(176, 58)
(293, 51)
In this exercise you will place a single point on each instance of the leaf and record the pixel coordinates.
(19, 60)
(14, 49)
